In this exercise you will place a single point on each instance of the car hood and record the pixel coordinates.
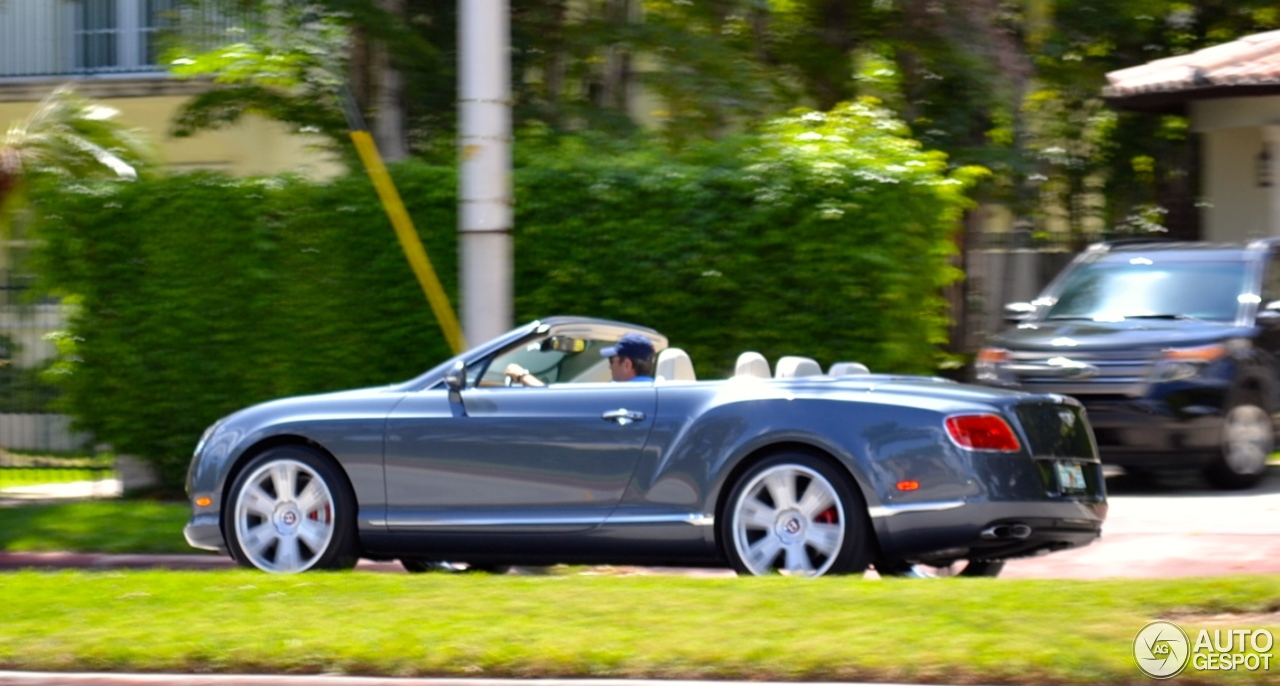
(1126, 334)
(373, 398)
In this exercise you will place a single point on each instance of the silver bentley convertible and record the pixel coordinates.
(784, 468)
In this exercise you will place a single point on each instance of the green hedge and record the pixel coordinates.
(200, 294)
(825, 235)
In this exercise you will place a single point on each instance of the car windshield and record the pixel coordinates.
(1143, 288)
(579, 363)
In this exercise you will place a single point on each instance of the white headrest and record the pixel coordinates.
(792, 366)
(674, 365)
(848, 369)
(752, 364)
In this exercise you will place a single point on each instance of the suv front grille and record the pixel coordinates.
(1116, 372)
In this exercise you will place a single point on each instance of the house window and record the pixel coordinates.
(120, 35)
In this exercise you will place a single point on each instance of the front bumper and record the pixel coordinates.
(1139, 432)
(205, 532)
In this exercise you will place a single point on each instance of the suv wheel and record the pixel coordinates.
(1248, 437)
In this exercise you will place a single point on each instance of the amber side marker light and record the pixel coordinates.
(204, 501)
(908, 485)
(982, 432)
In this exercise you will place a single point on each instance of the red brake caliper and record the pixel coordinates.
(828, 516)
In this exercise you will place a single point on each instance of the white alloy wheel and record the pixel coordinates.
(1246, 439)
(284, 516)
(788, 519)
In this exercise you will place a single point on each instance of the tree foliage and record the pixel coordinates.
(1012, 85)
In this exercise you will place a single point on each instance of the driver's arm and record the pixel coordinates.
(521, 375)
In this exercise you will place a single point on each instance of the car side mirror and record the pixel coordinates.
(1018, 312)
(455, 380)
(456, 377)
(1270, 312)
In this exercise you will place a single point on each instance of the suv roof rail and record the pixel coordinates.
(1104, 246)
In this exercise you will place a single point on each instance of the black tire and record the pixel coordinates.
(268, 527)
(1248, 438)
(810, 532)
(904, 568)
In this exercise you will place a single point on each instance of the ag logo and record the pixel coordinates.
(1161, 649)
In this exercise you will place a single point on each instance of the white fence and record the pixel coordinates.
(50, 432)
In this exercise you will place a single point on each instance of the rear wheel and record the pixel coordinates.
(1248, 437)
(796, 514)
(291, 510)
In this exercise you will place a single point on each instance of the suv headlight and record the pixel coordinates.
(989, 365)
(1178, 364)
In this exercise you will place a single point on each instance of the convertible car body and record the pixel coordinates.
(807, 474)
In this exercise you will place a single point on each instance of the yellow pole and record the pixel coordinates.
(409, 241)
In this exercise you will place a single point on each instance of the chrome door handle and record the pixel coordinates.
(623, 416)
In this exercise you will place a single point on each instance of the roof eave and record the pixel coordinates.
(1175, 101)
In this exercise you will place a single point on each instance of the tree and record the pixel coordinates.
(68, 135)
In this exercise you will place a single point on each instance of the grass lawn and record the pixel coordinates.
(571, 624)
(96, 526)
(32, 469)
(11, 477)
(952, 630)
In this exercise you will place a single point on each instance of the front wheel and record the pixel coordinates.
(1248, 437)
(796, 514)
(291, 510)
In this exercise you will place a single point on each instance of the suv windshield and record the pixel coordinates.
(1111, 291)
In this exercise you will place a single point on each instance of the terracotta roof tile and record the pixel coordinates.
(1251, 61)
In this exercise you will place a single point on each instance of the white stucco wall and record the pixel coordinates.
(1231, 129)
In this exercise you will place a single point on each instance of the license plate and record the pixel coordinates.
(1070, 477)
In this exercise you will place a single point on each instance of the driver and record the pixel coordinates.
(630, 359)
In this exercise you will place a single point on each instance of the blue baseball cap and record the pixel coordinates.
(632, 345)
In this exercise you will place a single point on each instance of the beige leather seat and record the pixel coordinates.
(847, 369)
(752, 364)
(792, 366)
(674, 365)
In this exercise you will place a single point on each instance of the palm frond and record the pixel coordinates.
(68, 134)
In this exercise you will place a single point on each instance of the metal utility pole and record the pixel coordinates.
(485, 201)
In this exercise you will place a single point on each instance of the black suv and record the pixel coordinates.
(1174, 349)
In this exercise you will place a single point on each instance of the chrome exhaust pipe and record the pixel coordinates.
(1006, 531)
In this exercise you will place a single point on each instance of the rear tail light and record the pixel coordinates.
(982, 432)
